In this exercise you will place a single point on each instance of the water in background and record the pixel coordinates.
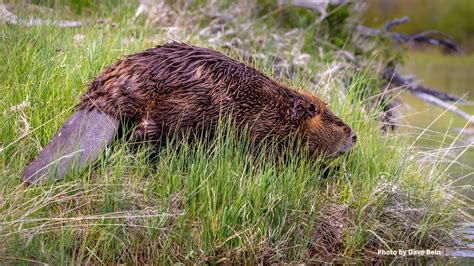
(453, 74)
(450, 73)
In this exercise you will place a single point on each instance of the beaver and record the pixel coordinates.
(176, 87)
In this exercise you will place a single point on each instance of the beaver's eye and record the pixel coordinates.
(339, 123)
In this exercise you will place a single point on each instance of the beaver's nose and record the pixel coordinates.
(353, 137)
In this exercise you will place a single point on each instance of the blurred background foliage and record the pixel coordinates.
(81, 7)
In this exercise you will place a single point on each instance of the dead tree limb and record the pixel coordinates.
(429, 95)
(398, 21)
(394, 79)
(392, 76)
(448, 106)
(9, 18)
(432, 37)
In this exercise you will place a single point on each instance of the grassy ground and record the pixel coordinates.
(204, 202)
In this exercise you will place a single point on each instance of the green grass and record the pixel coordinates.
(213, 201)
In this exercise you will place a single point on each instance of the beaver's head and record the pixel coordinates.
(323, 131)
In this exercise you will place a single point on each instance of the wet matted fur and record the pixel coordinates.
(176, 88)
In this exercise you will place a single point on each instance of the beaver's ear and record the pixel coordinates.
(304, 109)
(313, 109)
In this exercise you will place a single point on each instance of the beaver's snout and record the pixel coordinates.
(353, 137)
(349, 143)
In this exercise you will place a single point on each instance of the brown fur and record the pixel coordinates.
(177, 87)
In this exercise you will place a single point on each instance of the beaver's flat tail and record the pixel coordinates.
(79, 142)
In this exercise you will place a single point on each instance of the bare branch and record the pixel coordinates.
(428, 95)
(448, 106)
(432, 37)
(393, 77)
(398, 21)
